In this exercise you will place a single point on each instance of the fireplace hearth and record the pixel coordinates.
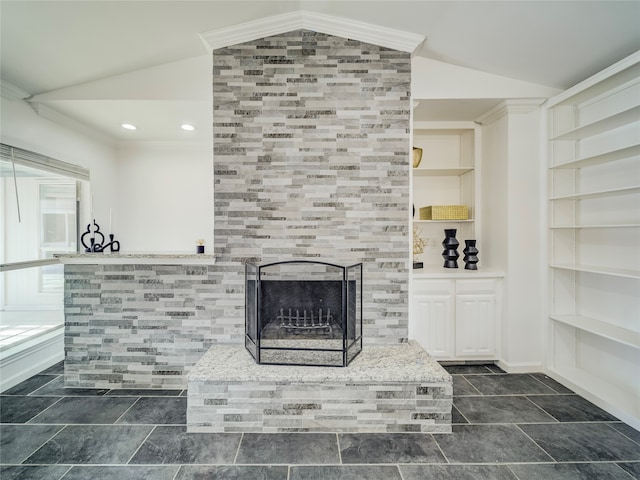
(303, 313)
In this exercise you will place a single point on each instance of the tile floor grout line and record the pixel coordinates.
(235, 457)
(471, 385)
(621, 433)
(399, 471)
(542, 409)
(513, 473)
(521, 395)
(43, 444)
(115, 422)
(538, 380)
(536, 443)
(42, 386)
(175, 475)
(140, 446)
(462, 414)
(65, 473)
(433, 437)
(28, 422)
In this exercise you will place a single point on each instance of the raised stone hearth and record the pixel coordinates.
(391, 388)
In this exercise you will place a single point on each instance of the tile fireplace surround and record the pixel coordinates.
(311, 161)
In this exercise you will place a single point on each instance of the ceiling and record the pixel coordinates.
(51, 45)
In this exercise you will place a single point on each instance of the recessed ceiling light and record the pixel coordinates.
(187, 127)
(129, 126)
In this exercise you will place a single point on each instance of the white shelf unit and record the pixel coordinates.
(447, 175)
(594, 238)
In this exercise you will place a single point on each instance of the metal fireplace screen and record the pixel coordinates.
(303, 313)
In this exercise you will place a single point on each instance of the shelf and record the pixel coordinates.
(441, 172)
(600, 328)
(599, 159)
(601, 193)
(608, 123)
(578, 227)
(606, 81)
(595, 159)
(614, 272)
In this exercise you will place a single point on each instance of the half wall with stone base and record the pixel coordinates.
(394, 388)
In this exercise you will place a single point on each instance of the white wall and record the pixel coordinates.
(165, 197)
(433, 79)
(160, 196)
(21, 126)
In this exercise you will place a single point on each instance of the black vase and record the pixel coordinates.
(470, 255)
(450, 252)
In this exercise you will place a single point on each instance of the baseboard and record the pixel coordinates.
(30, 358)
(617, 402)
(520, 367)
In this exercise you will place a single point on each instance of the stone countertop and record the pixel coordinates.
(149, 258)
(438, 271)
(377, 363)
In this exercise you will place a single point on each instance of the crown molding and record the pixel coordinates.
(317, 22)
(11, 92)
(55, 116)
(520, 106)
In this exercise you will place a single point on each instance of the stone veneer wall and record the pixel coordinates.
(311, 161)
(135, 326)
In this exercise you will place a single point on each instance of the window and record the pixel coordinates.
(38, 218)
(58, 228)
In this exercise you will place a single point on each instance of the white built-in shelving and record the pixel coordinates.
(594, 238)
(447, 175)
(602, 125)
(601, 328)
(455, 313)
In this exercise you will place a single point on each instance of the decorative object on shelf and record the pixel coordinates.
(418, 246)
(114, 245)
(450, 252)
(470, 255)
(95, 245)
(200, 245)
(417, 156)
(444, 212)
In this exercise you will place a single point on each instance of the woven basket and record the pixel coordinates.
(444, 212)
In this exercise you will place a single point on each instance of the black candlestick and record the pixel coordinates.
(95, 246)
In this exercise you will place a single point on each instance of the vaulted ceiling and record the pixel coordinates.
(51, 45)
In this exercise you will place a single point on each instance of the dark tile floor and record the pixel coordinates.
(505, 427)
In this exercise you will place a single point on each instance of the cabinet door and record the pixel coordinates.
(475, 325)
(434, 323)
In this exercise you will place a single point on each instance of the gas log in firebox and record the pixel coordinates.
(303, 313)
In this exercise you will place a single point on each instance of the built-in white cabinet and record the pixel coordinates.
(446, 176)
(594, 238)
(457, 318)
(433, 316)
(476, 318)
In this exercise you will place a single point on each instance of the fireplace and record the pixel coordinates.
(303, 313)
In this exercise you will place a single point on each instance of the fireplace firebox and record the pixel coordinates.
(303, 313)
